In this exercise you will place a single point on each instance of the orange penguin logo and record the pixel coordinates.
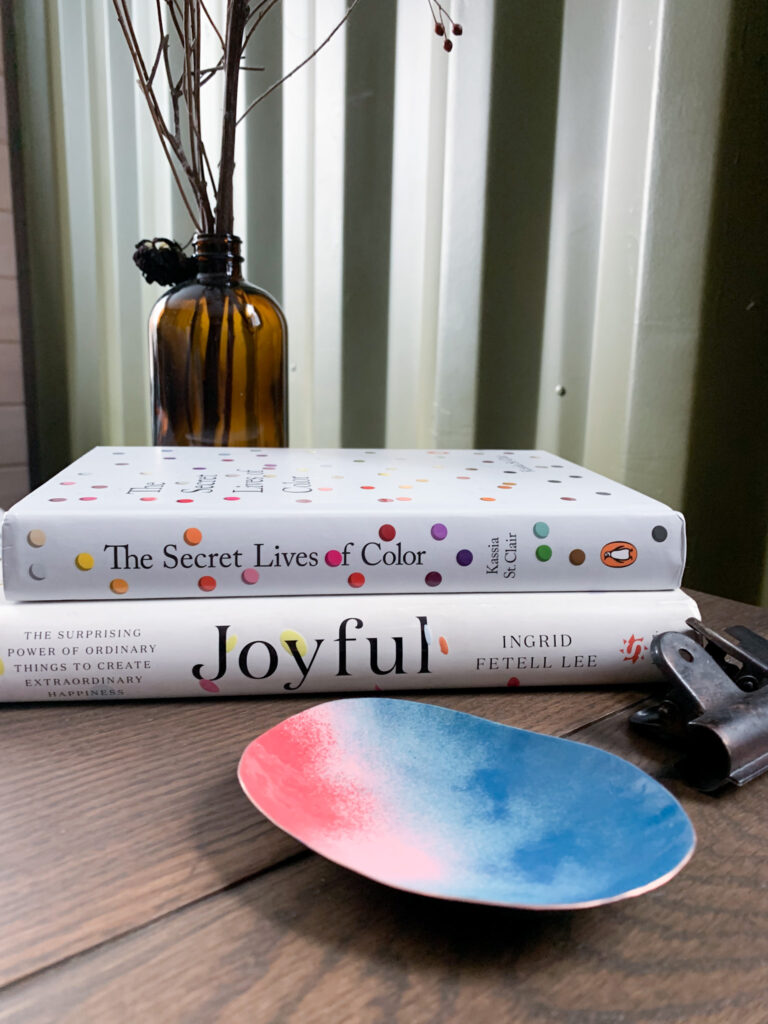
(618, 554)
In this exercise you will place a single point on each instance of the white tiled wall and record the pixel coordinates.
(14, 479)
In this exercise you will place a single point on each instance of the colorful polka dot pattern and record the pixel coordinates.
(292, 641)
(373, 479)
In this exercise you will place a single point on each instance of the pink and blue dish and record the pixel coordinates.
(442, 803)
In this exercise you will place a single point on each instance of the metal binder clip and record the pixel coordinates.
(717, 705)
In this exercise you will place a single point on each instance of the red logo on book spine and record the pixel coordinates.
(634, 649)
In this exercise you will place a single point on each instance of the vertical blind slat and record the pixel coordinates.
(370, 77)
(461, 257)
(624, 222)
(328, 128)
(577, 192)
(298, 215)
(86, 356)
(417, 198)
(680, 192)
(262, 132)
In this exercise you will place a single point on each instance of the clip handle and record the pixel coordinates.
(700, 684)
(724, 728)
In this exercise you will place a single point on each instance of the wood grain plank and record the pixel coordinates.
(115, 814)
(137, 812)
(310, 943)
(719, 612)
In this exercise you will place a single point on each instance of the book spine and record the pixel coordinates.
(233, 647)
(55, 556)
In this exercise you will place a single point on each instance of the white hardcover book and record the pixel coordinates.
(95, 650)
(124, 523)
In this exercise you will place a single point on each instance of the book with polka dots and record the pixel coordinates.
(147, 522)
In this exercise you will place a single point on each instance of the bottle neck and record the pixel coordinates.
(218, 258)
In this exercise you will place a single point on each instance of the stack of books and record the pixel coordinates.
(176, 572)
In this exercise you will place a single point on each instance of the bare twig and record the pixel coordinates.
(163, 46)
(237, 13)
(256, 8)
(190, 45)
(279, 82)
(179, 127)
(212, 23)
(258, 14)
(175, 14)
(209, 171)
(207, 75)
(124, 20)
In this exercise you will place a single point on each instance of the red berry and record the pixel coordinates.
(448, 45)
(439, 30)
(457, 29)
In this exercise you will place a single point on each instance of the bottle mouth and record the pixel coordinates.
(218, 246)
(201, 236)
(218, 257)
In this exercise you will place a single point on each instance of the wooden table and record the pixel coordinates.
(139, 885)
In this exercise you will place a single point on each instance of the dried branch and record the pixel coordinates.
(182, 139)
(175, 13)
(126, 25)
(258, 14)
(163, 46)
(237, 14)
(279, 82)
(207, 75)
(212, 23)
(188, 80)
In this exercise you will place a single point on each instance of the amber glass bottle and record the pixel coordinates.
(218, 356)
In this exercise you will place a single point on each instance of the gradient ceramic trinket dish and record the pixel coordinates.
(445, 804)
